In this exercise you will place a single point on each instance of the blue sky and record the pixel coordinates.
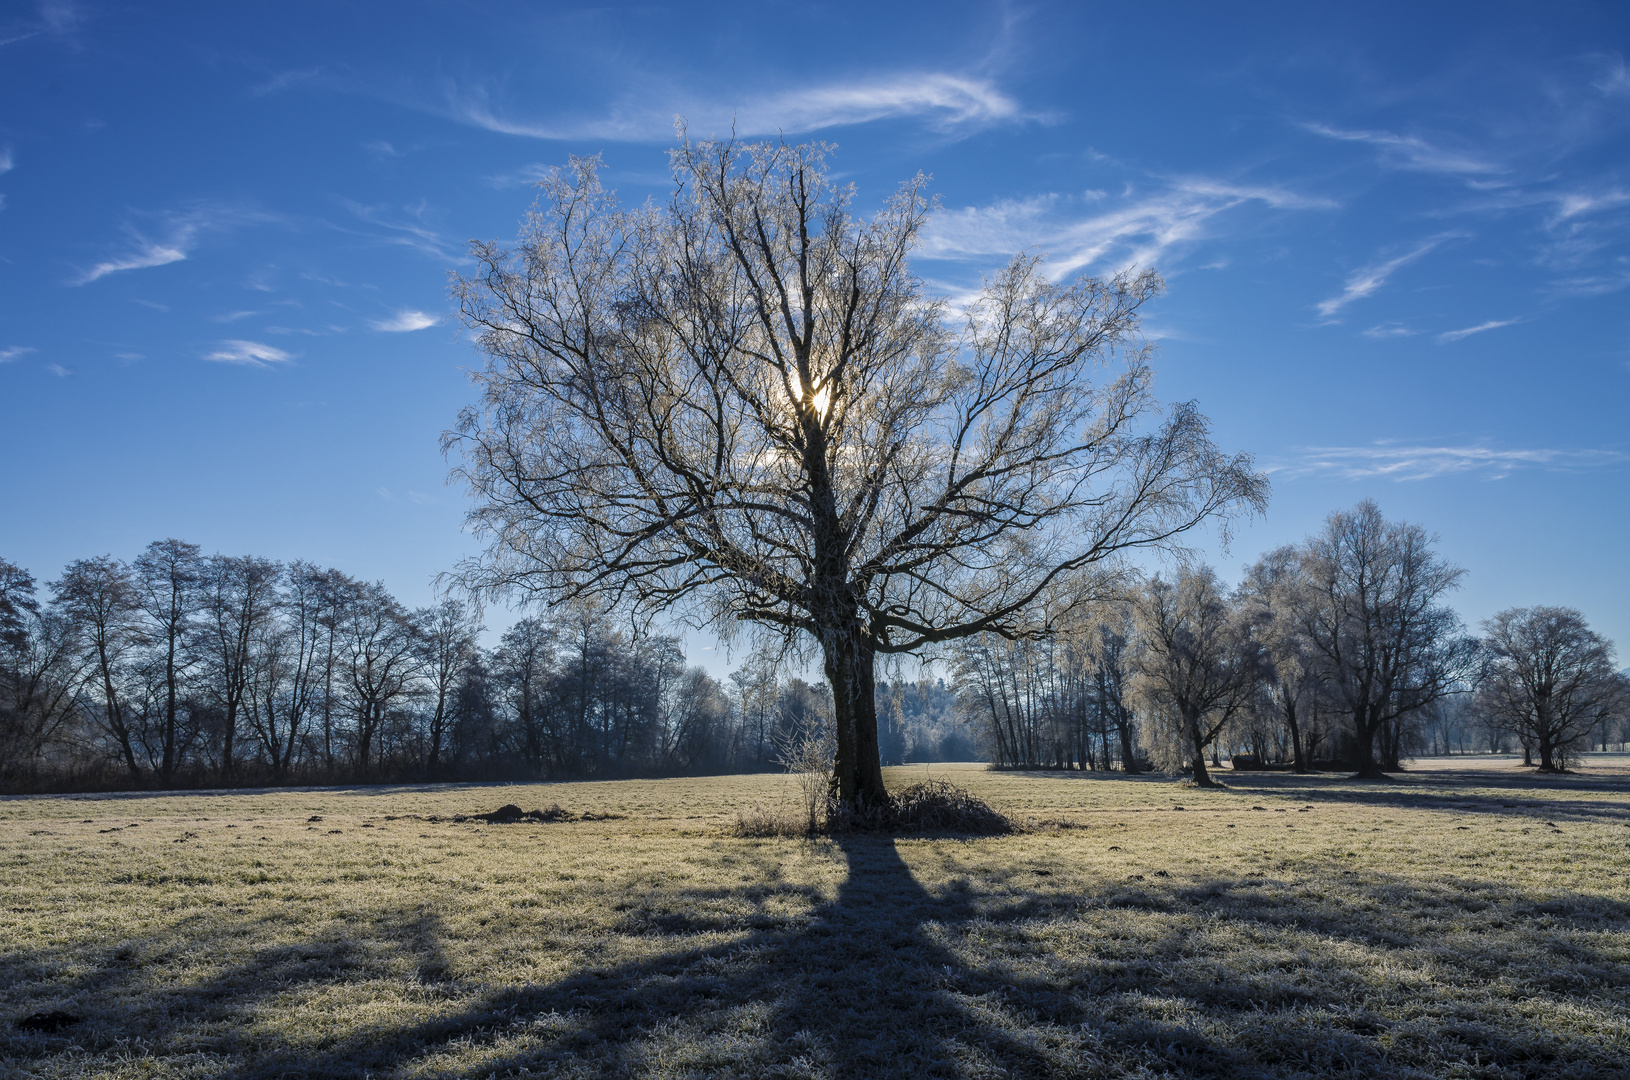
(1396, 237)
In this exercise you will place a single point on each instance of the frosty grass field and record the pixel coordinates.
(1466, 920)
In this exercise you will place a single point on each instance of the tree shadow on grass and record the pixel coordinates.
(1445, 790)
(885, 978)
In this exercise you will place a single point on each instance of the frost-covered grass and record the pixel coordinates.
(1467, 920)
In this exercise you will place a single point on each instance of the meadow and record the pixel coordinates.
(1468, 919)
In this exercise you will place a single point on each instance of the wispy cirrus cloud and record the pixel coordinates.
(1427, 461)
(165, 238)
(248, 353)
(55, 17)
(1412, 152)
(7, 162)
(1367, 279)
(404, 321)
(144, 252)
(1455, 335)
(8, 355)
(1383, 331)
(1093, 229)
(417, 497)
(285, 79)
(409, 226)
(941, 100)
(525, 176)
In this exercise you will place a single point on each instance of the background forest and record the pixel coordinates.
(180, 669)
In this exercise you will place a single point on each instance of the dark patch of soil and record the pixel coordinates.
(55, 1020)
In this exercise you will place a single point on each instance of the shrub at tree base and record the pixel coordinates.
(931, 806)
(934, 806)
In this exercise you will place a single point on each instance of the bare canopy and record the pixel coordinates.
(1551, 677)
(742, 405)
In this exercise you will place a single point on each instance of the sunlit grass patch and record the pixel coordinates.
(1447, 924)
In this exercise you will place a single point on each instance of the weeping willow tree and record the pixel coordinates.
(742, 407)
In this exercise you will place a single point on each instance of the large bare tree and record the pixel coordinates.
(743, 406)
(1372, 615)
(1551, 678)
(1275, 591)
(1195, 660)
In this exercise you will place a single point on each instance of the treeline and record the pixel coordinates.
(179, 669)
(1337, 652)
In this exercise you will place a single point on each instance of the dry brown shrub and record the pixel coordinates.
(761, 822)
(932, 806)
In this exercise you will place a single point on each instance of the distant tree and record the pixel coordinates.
(17, 602)
(746, 404)
(1111, 673)
(1550, 678)
(100, 595)
(697, 712)
(1275, 592)
(1372, 617)
(1195, 660)
(167, 577)
(287, 660)
(380, 655)
(238, 599)
(447, 641)
(522, 675)
(42, 664)
(756, 684)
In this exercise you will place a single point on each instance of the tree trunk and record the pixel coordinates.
(1365, 731)
(229, 735)
(1547, 753)
(1298, 755)
(1129, 761)
(857, 772)
(1201, 777)
(168, 762)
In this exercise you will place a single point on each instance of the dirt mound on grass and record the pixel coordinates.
(509, 813)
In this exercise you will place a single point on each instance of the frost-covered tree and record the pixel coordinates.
(743, 406)
(1196, 664)
(1550, 678)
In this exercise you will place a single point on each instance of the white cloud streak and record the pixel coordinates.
(1140, 231)
(412, 231)
(248, 353)
(8, 355)
(147, 253)
(1455, 335)
(942, 100)
(403, 322)
(1383, 331)
(1411, 152)
(1390, 461)
(172, 239)
(7, 162)
(1366, 280)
